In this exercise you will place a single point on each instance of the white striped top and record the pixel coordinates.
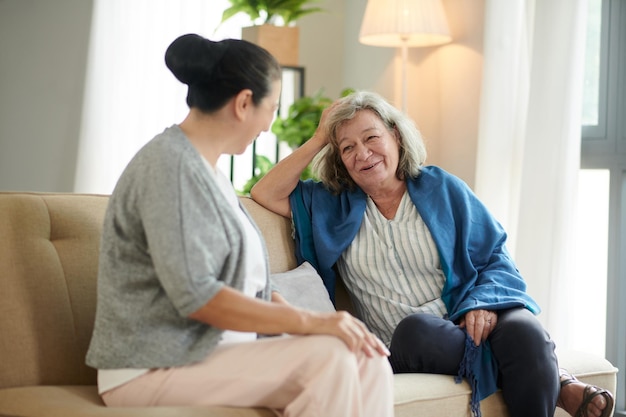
(392, 269)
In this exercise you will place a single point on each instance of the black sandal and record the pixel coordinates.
(588, 395)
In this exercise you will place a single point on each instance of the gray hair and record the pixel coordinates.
(329, 167)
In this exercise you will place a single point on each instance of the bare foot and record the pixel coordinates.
(572, 398)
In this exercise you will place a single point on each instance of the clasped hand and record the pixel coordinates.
(353, 332)
(479, 324)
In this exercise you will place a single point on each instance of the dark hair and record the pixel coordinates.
(217, 71)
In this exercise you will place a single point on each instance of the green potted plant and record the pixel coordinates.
(301, 119)
(295, 128)
(267, 15)
(268, 11)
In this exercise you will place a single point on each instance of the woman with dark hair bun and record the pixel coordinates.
(183, 282)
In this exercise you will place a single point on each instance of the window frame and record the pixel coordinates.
(599, 131)
(604, 147)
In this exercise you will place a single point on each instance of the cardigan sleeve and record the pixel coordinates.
(188, 238)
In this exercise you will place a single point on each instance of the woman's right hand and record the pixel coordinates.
(351, 330)
(321, 133)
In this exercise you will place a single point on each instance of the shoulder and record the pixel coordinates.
(161, 169)
(436, 179)
(167, 156)
(308, 191)
(168, 146)
(316, 193)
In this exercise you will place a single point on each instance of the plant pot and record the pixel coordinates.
(280, 41)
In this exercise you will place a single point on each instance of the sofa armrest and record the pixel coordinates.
(276, 231)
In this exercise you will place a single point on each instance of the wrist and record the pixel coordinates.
(319, 140)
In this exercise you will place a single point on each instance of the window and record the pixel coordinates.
(591, 260)
(603, 180)
(592, 83)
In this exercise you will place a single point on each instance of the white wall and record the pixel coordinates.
(43, 51)
(322, 48)
(460, 68)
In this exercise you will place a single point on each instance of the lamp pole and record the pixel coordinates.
(404, 23)
(405, 57)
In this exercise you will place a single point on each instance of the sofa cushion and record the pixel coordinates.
(304, 288)
(426, 395)
(83, 401)
(415, 395)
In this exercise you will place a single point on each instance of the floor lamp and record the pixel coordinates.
(404, 24)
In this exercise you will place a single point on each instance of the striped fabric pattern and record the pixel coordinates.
(392, 269)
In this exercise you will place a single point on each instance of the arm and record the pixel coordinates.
(229, 309)
(273, 190)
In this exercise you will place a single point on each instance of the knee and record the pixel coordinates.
(418, 329)
(523, 324)
(413, 325)
(333, 354)
(523, 329)
(330, 351)
(376, 372)
(378, 365)
(426, 343)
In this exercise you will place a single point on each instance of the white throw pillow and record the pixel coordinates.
(303, 288)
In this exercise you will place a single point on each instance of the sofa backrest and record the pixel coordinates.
(48, 264)
(48, 267)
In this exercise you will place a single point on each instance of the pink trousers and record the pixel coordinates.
(294, 375)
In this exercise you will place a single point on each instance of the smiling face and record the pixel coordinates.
(369, 151)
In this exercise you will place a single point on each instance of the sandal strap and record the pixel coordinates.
(569, 378)
(588, 396)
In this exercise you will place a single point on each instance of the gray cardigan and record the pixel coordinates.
(170, 242)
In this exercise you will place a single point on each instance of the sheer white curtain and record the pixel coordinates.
(529, 142)
(130, 95)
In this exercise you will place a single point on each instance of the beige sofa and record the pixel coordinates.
(48, 256)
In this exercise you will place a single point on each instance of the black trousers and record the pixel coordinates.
(528, 367)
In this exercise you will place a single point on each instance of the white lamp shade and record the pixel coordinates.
(412, 23)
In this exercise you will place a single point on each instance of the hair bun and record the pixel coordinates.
(192, 58)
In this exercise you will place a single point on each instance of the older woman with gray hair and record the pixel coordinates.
(423, 260)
